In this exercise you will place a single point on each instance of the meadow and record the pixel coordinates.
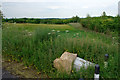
(38, 45)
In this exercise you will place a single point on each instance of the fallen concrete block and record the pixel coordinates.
(69, 61)
(79, 62)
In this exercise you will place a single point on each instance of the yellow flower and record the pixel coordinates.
(36, 67)
(25, 67)
(9, 60)
(72, 71)
(38, 72)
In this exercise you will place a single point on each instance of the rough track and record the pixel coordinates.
(7, 74)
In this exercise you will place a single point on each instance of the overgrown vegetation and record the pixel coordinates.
(39, 45)
(103, 24)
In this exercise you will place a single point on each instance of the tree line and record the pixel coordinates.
(43, 21)
(101, 24)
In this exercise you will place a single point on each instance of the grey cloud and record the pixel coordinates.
(59, 9)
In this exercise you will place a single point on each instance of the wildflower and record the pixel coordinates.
(38, 72)
(49, 33)
(114, 37)
(53, 30)
(74, 35)
(26, 30)
(116, 43)
(77, 33)
(72, 71)
(25, 68)
(9, 60)
(58, 35)
(58, 31)
(30, 34)
(67, 31)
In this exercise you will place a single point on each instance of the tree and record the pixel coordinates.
(76, 19)
(1, 17)
(104, 14)
(88, 15)
(118, 16)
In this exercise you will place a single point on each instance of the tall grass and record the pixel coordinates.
(40, 49)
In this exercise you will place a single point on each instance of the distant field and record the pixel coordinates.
(39, 45)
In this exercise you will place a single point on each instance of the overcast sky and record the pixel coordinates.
(58, 8)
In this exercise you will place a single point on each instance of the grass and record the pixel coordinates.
(39, 45)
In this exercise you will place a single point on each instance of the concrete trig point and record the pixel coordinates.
(67, 61)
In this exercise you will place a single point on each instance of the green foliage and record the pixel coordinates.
(104, 25)
(31, 44)
(75, 19)
(45, 21)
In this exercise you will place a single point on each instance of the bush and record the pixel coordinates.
(101, 24)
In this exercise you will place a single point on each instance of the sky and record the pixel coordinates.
(58, 8)
(119, 8)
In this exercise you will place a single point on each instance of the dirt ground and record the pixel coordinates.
(19, 70)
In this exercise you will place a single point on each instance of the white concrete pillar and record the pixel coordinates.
(79, 62)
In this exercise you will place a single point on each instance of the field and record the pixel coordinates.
(38, 45)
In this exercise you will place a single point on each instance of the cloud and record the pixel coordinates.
(38, 0)
(84, 7)
(58, 8)
(54, 7)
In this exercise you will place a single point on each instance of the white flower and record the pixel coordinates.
(30, 34)
(49, 33)
(77, 33)
(114, 37)
(74, 35)
(58, 35)
(117, 43)
(26, 30)
(67, 31)
(53, 30)
(58, 31)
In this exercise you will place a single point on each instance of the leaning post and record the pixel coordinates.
(97, 70)
(106, 60)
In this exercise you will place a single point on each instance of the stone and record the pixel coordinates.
(64, 63)
(79, 62)
(68, 56)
